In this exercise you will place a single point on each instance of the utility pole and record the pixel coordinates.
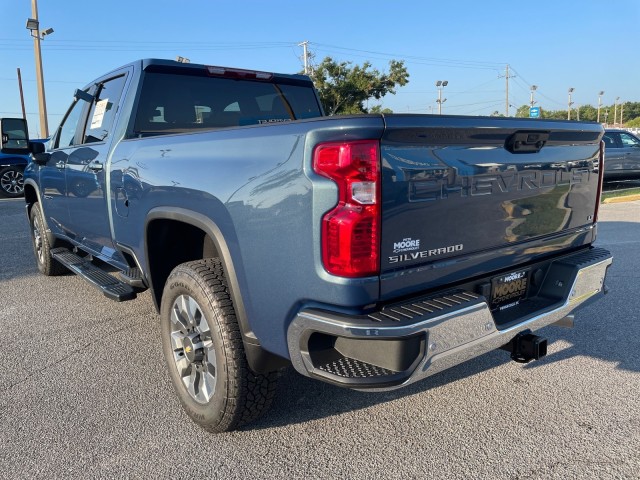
(600, 103)
(507, 76)
(24, 112)
(42, 102)
(305, 55)
(569, 104)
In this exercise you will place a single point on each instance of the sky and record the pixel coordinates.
(587, 45)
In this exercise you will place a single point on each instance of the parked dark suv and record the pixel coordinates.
(622, 157)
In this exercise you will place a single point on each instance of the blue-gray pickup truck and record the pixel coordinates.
(366, 251)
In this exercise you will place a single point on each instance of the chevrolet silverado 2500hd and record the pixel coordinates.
(366, 251)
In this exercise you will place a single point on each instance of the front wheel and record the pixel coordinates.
(203, 348)
(12, 182)
(42, 244)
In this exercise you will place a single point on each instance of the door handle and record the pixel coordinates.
(60, 164)
(95, 166)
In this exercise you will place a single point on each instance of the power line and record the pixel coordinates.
(474, 63)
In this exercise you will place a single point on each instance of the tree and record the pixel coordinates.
(344, 89)
(635, 123)
(522, 111)
(379, 109)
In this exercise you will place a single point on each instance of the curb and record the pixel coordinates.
(628, 198)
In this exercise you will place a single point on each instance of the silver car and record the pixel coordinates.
(622, 155)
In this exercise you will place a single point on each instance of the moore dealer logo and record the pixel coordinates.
(406, 245)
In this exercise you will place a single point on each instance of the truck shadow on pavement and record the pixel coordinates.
(300, 399)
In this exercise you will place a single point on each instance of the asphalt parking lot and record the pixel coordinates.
(84, 393)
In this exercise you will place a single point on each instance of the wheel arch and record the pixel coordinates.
(203, 238)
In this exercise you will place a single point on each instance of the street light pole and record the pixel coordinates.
(600, 103)
(569, 104)
(34, 26)
(441, 84)
(533, 89)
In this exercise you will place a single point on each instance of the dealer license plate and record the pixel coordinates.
(508, 290)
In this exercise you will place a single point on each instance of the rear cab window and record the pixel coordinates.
(175, 102)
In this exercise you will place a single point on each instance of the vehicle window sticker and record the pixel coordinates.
(98, 113)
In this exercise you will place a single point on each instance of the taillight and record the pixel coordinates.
(351, 231)
(600, 181)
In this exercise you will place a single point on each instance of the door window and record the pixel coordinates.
(103, 110)
(610, 140)
(629, 140)
(69, 126)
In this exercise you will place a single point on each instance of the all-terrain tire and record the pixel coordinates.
(203, 347)
(42, 244)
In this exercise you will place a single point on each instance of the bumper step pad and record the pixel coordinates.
(346, 367)
(110, 286)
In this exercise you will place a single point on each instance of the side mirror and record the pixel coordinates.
(15, 139)
(38, 153)
(37, 147)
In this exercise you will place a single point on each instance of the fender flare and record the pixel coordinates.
(259, 359)
(207, 225)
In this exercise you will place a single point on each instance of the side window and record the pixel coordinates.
(103, 110)
(610, 140)
(69, 126)
(629, 140)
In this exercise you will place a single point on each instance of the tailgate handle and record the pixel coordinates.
(526, 141)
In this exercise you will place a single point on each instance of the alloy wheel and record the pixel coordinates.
(193, 351)
(12, 182)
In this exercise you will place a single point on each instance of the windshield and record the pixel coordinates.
(175, 103)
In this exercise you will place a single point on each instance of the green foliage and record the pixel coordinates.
(344, 89)
(635, 123)
(379, 109)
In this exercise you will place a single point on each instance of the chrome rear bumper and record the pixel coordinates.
(407, 342)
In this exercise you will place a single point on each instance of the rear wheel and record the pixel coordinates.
(12, 182)
(203, 348)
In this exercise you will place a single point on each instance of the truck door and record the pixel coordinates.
(86, 171)
(630, 152)
(52, 175)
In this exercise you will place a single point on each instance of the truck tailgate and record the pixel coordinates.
(465, 196)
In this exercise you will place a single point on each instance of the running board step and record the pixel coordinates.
(133, 277)
(110, 286)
